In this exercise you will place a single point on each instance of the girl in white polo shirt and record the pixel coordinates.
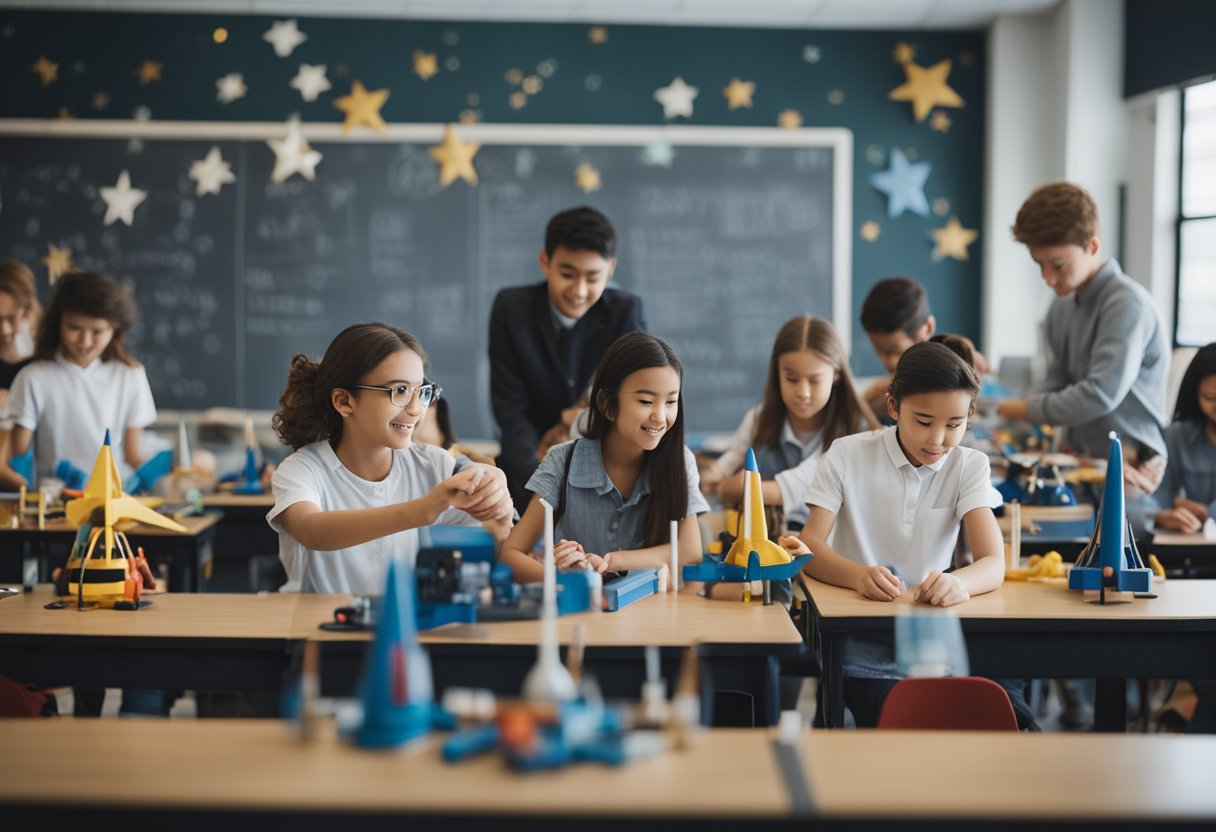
(891, 502)
(357, 488)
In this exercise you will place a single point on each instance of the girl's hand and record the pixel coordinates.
(879, 584)
(1197, 509)
(941, 590)
(1179, 519)
(490, 499)
(454, 492)
(600, 563)
(794, 545)
(569, 554)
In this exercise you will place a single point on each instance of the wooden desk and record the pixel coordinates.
(195, 774)
(1191, 554)
(214, 641)
(186, 553)
(1036, 630)
(740, 644)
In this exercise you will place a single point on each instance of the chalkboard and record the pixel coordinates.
(741, 230)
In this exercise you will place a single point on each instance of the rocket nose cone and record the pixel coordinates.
(750, 464)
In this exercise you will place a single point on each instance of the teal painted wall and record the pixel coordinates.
(832, 78)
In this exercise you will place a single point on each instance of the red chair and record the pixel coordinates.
(950, 703)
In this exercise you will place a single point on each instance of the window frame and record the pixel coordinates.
(1181, 218)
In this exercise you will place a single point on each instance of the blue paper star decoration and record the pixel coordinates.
(904, 185)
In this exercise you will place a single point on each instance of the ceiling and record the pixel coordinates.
(801, 14)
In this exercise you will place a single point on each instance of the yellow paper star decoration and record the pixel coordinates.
(870, 231)
(518, 100)
(455, 158)
(587, 178)
(426, 66)
(940, 122)
(58, 262)
(789, 120)
(952, 241)
(739, 93)
(148, 72)
(362, 107)
(65, 114)
(46, 70)
(926, 88)
(597, 34)
(903, 52)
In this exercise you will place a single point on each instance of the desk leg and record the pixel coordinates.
(832, 658)
(1110, 705)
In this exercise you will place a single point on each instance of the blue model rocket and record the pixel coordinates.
(1110, 561)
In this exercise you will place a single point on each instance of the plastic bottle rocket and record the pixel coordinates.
(250, 481)
(397, 689)
(753, 528)
(1110, 560)
(549, 681)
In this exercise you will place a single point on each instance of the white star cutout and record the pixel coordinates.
(122, 200)
(658, 154)
(311, 81)
(230, 88)
(293, 155)
(211, 173)
(284, 37)
(676, 98)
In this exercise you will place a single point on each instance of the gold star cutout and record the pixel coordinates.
(470, 116)
(870, 231)
(455, 158)
(739, 93)
(952, 241)
(148, 72)
(532, 84)
(46, 70)
(941, 206)
(518, 100)
(587, 178)
(425, 65)
(903, 52)
(515, 77)
(362, 107)
(940, 122)
(789, 120)
(926, 88)
(65, 114)
(597, 35)
(58, 262)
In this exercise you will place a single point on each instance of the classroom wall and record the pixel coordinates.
(832, 78)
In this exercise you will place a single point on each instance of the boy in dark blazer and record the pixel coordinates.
(547, 338)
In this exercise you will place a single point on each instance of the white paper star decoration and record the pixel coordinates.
(211, 173)
(311, 81)
(293, 155)
(230, 88)
(658, 154)
(904, 185)
(676, 98)
(284, 37)
(122, 200)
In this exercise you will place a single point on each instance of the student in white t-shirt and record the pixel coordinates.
(81, 382)
(891, 504)
(357, 489)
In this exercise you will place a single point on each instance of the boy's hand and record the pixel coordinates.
(879, 584)
(490, 499)
(941, 589)
(1143, 478)
(1179, 519)
(794, 545)
(1197, 509)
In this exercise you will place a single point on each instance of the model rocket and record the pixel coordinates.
(1110, 561)
(397, 689)
(549, 681)
(250, 481)
(106, 575)
(753, 528)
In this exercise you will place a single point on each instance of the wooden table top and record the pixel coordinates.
(1176, 601)
(194, 527)
(256, 765)
(660, 619)
(1182, 539)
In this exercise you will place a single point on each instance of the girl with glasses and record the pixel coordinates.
(616, 491)
(358, 487)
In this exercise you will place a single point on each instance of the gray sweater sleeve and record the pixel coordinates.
(1121, 333)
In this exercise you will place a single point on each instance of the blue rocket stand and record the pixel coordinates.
(1110, 561)
(250, 481)
(713, 569)
(398, 703)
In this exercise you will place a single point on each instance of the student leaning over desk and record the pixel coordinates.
(616, 490)
(892, 502)
(357, 488)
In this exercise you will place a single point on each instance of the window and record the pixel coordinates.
(1197, 219)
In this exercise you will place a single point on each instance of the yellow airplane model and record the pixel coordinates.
(113, 575)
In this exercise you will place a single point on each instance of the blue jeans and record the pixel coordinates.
(135, 702)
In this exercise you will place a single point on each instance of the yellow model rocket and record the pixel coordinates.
(753, 529)
(114, 573)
